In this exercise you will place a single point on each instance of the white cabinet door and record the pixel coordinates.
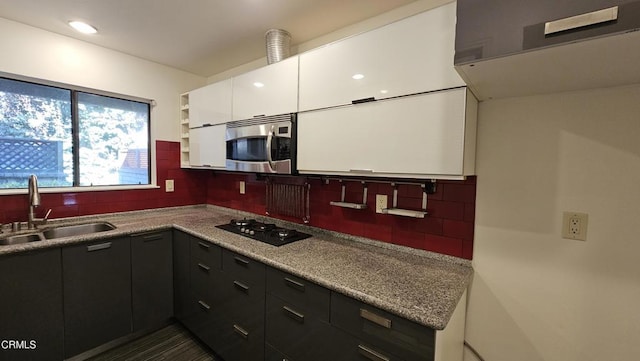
(421, 136)
(409, 56)
(270, 90)
(210, 104)
(207, 146)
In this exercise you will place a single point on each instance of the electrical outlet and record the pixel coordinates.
(574, 225)
(168, 185)
(242, 187)
(381, 202)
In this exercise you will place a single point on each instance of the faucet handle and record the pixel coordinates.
(46, 216)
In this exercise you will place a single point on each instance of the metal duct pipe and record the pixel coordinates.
(278, 44)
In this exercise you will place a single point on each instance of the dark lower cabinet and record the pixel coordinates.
(240, 308)
(376, 331)
(31, 321)
(181, 279)
(271, 354)
(246, 311)
(97, 294)
(297, 318)
(152, 279)
(294, 331)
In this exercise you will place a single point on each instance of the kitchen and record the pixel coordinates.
(535, 295)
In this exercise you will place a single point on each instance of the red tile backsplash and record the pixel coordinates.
(448, 228)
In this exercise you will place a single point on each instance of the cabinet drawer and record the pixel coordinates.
(239, 341)
(296, 333)
(244, 270)
(207, 252)
(303, 294)
(241, 302)
(205, 278)
(352, 348)
(382, 330)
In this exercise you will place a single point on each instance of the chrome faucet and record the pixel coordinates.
(34, 201)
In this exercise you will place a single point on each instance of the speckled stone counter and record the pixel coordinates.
(421, 286)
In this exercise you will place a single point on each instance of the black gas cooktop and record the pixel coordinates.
(264, 232)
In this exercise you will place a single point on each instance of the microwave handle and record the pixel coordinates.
(269, 140)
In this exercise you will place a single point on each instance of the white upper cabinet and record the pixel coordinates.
(270, 90)
(207, 146)
(430, 135)
(210, 105)
(409, 56)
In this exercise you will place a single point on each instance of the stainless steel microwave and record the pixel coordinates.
(262, 144)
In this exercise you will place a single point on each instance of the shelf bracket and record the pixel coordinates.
(426, 188)
(344, 204)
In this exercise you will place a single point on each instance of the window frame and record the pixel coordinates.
(75, 89)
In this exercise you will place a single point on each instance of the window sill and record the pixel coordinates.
(80, 189)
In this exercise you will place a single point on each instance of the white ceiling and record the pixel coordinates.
(203, 37)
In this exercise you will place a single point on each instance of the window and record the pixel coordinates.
(69, 137)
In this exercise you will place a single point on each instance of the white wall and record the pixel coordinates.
(36, 53)
(536, 296)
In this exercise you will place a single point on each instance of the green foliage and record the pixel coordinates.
(106, 131)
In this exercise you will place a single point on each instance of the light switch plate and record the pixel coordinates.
(168, 185)
(242, 187)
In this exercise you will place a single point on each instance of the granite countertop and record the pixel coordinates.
(421, 286)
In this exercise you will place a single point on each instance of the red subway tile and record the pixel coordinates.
(448, 210)
(459, 192)
(467, 249)
(469, 212)
(407, 238)
(379, 232)
(445, 245)
(458, 229)
(410, 190)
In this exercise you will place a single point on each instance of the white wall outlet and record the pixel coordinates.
(574, 225)
(242, 187)
(168, 185)
(381, 202)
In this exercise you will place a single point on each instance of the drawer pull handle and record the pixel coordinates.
(241, 286)
(241, 261)
(377, 319)
(98, 247)
(241, 331)
(296, 316)
(203, 245)
(582, 20)
(151, 238)
(204, 305)
(204, 267)
(371, 354)
(294, 284)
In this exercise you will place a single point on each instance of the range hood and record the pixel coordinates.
(596, 63)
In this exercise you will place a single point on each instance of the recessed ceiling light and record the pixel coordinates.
(83, 27)
(357, 76)
(258, 84)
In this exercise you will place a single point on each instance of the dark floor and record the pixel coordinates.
(172, 343)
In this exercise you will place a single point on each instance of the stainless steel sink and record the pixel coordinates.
(20, 238)
(77, 229)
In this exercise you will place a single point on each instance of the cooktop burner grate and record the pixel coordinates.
(264, 232)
